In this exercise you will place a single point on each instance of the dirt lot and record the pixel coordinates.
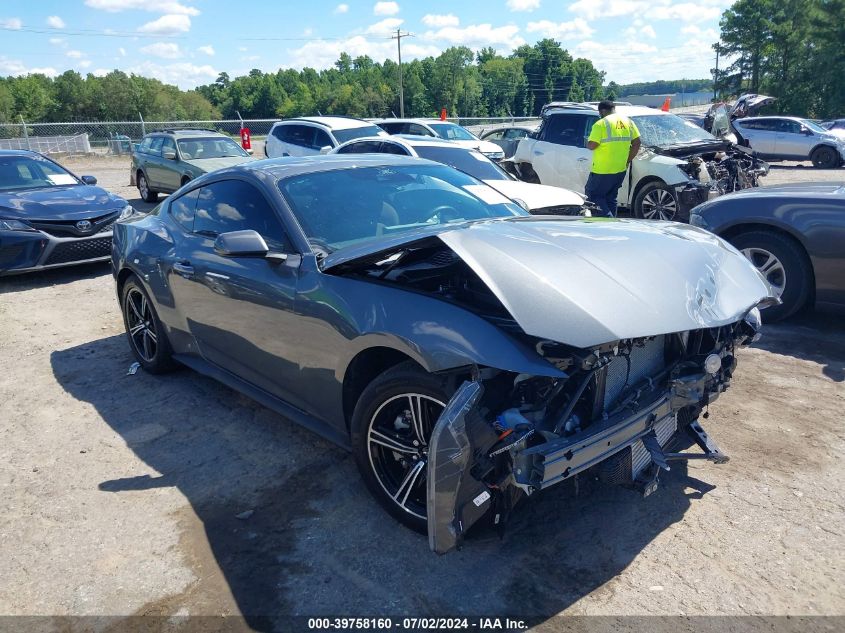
(121, 494)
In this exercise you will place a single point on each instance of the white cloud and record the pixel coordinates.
(85, 63)
(638, 29)
(574, 28)
(242, 49)
(183, 74)
(686, 11)
(167, 25)
(307, 32)
(75, 54)
(55, 22)
(523, 5)
(122, 51)
(249, 58)
(167, 50)
(385, 8)
(18, 68)
(592, 9)
(648, 31)
(707, 34)
(13, 24)
(101, 72)
(439, 21)
(153, 6)
(57, 41)
(208, 49)
(341, 8)
(478, 34)
(384, 27)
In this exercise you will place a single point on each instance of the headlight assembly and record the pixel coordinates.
(15, 225)
(128, 212)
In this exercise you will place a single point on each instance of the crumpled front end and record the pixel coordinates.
(505, 436)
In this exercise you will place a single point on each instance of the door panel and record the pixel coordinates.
(152, 163)
(170, 176)
(789, 141)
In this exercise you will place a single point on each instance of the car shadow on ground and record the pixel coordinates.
(290, 526)
(812, 336)
(53, 277)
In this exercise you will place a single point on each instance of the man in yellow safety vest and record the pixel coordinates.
(614, 141)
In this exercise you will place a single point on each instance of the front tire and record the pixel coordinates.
(144, 331)
(782, 261)
(656, 201)
(824, 157)
(147, 194)
(390, 429)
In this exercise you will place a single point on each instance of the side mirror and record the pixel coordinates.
(89, 180)
(246, 243)
(806, 131)
(325, 149)
(136, 147)
(169, 154)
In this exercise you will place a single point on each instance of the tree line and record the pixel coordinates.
(790, 49)
(465, 83)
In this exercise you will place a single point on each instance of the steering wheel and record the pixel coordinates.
(444, 213)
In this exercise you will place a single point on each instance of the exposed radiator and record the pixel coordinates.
(646, 361)
(639, 455)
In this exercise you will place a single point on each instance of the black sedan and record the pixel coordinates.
(49, 217)
(468, 353)
(793, 234)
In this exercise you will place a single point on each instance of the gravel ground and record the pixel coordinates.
(121, 494)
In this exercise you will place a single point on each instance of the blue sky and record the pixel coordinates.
(188, 42)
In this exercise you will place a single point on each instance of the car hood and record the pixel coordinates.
(213, 164)
(799, 190)
(73, 202)
(584, 282)
(536, 196)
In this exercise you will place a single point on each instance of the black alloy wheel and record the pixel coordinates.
(391, 428)
(824, 157)
(146, 335)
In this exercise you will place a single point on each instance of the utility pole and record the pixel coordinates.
(398, 37)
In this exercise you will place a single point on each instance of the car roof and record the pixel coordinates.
(620, 109)
(20, 152)
(187, 132)
(331, 122)
(420, 120)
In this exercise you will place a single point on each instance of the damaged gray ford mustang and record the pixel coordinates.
(469, 354)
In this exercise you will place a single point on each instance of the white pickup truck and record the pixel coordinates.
(680, 164)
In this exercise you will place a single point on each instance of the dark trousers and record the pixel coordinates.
(602, 190)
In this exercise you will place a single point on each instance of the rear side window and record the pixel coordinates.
(234, 205)
(280, 132)
(155, 147)
(145, 144)
(183, 208)
(568, 129)
(392, 128)
(168, 144)
(393, 148)
(363, 147)
(301, 135)
(419, 130)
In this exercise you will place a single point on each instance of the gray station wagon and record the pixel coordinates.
(164, 161)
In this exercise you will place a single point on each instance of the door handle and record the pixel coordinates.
(184, 269)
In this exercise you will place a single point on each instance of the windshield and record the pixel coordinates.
(345, 207)
(467, 160)
(451, 132)
(24, 172)
(668, 129)
(818, 129)
(211, 147)
(357, 132)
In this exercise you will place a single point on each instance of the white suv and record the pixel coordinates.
(680, 164)
(311, 135)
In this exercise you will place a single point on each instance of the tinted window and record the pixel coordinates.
(788, 127)
(515, 133)
(155, 146)
(321, 139)
(357, 132)
(280, 132)
(145, 144)
(391, 128)
(760, 124)
(362, 147)
(301, 135)
(233, 205)
(341, 207)
(393, 148)
(467, 160)
(419, 130)
(568, 129)
(182, 209)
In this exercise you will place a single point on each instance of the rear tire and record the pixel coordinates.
(824, 157)
(399, 407)
(144, 331)
(784, 264)
(147, 194)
